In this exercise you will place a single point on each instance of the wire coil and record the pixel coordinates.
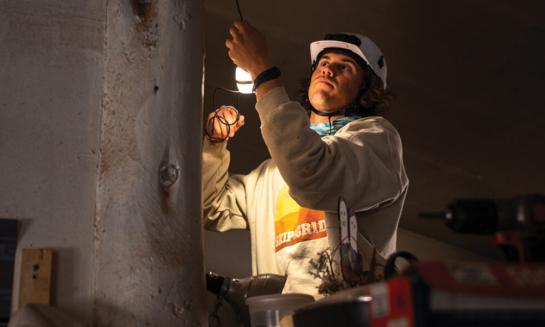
(219, 116)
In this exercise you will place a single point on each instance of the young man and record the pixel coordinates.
(342, 149)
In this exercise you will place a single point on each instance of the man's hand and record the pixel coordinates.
(248, 48)
(223, 124)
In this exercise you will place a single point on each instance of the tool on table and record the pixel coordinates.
(518, 224)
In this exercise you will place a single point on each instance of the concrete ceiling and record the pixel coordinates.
(469, 78)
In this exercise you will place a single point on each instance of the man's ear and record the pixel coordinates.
(365, 82)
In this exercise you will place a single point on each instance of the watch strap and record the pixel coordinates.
(266, 75)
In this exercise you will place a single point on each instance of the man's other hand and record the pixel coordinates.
(248, 48)
(223, 123)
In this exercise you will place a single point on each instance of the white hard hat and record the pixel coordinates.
(358, 44)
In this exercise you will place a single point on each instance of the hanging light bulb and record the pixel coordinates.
(245, 84)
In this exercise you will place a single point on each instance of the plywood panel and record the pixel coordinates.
(35, 284)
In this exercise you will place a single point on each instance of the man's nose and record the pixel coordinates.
(327, 71)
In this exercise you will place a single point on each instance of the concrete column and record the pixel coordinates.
(95, 96)
(148, 240)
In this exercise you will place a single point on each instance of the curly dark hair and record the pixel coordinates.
(372, 99)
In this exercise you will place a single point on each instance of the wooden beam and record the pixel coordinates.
(35, 286)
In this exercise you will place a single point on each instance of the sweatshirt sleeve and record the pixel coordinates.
(224, 200)
(362, 162)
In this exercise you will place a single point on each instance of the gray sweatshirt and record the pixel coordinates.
(289, 202)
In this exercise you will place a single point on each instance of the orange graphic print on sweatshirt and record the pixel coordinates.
(294, 224)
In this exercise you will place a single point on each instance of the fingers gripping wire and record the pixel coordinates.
(226, 116)
(219, 117)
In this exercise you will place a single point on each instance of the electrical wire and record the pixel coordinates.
(219, 116)
(224, 90)
(214, 319)
(239, 12)
(218, 112)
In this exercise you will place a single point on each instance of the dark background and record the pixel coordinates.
(469, 79)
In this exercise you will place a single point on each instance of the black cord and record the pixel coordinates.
(225, 90)
(220, 118)
(214, 319)
(217, 115)
(239, 12)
